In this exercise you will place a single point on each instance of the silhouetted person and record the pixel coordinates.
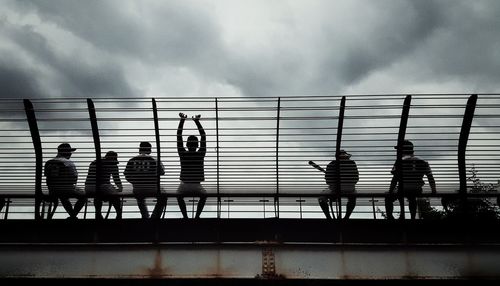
(106, 189)
(192, 166)
(141, 173)
(349, 176)
(412, 173)
(61, 177)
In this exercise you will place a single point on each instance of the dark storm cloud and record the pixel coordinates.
(335, 48)
(16, 82)
(74, 76)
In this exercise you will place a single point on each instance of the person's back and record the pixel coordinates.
(61, 175)
(348, 172)
(413, 171)
(192, 166)
(141, 171)
(107, 170)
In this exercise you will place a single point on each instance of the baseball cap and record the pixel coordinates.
(65, 147)
(343, 153)
(407, 145)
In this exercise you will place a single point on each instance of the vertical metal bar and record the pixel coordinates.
(399, 154)
(462, 141)
(338, 144)
(158, 148)
(373, 208)
(97, 147)
(277, 199)
(37, 145)
(217, 150)
(7, 206)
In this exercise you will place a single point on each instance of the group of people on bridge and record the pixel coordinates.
(143, 171)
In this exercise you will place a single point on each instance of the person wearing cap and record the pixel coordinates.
(192, 166)
(411, 176)
(141, 172)
(61, 177)
(106, 189)
(349, 176)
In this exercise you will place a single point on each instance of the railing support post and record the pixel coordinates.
(217, 150)
(338, 144)
(399, 153)
(97, 147)
(462, 141)
(277, 198)
(37, 145)
(158, 148)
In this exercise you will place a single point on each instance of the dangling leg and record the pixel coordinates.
(161, 203)
(182, 206)
(323, 203)
(351, 204)
(201, 205)
(143, 208)
(98, 208)
(412, 205)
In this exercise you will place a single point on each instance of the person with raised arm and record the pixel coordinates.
(192, 166)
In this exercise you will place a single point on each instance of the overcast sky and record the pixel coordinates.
(247, 48)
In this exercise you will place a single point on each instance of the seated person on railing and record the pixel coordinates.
(412, 173)
(106, 189)
(141, 172)
(349, 176)
(61, 177)
(192, 166)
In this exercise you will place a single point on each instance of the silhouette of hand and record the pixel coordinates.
(182, 115)
(197, 117)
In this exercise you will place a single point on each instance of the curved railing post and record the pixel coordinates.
(462, 141)
(97, 147)
(37, 145)
(338, 144)
(158, 149)
(399, 153)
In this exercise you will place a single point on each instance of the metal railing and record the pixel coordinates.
(258, 148)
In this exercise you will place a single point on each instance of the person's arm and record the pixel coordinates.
(128, 171)
(180, 142)
(116, 178)
(355, 172)
(203, 143)
(430, 177)
(394, 181)
(74, 172)
(162, 169)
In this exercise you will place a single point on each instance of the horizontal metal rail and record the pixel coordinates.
(259, 147)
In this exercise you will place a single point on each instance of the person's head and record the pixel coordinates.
(407, 147)
(343, 155)
(111, 158)
(65, 150)
(145, 148)
(192, 143)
